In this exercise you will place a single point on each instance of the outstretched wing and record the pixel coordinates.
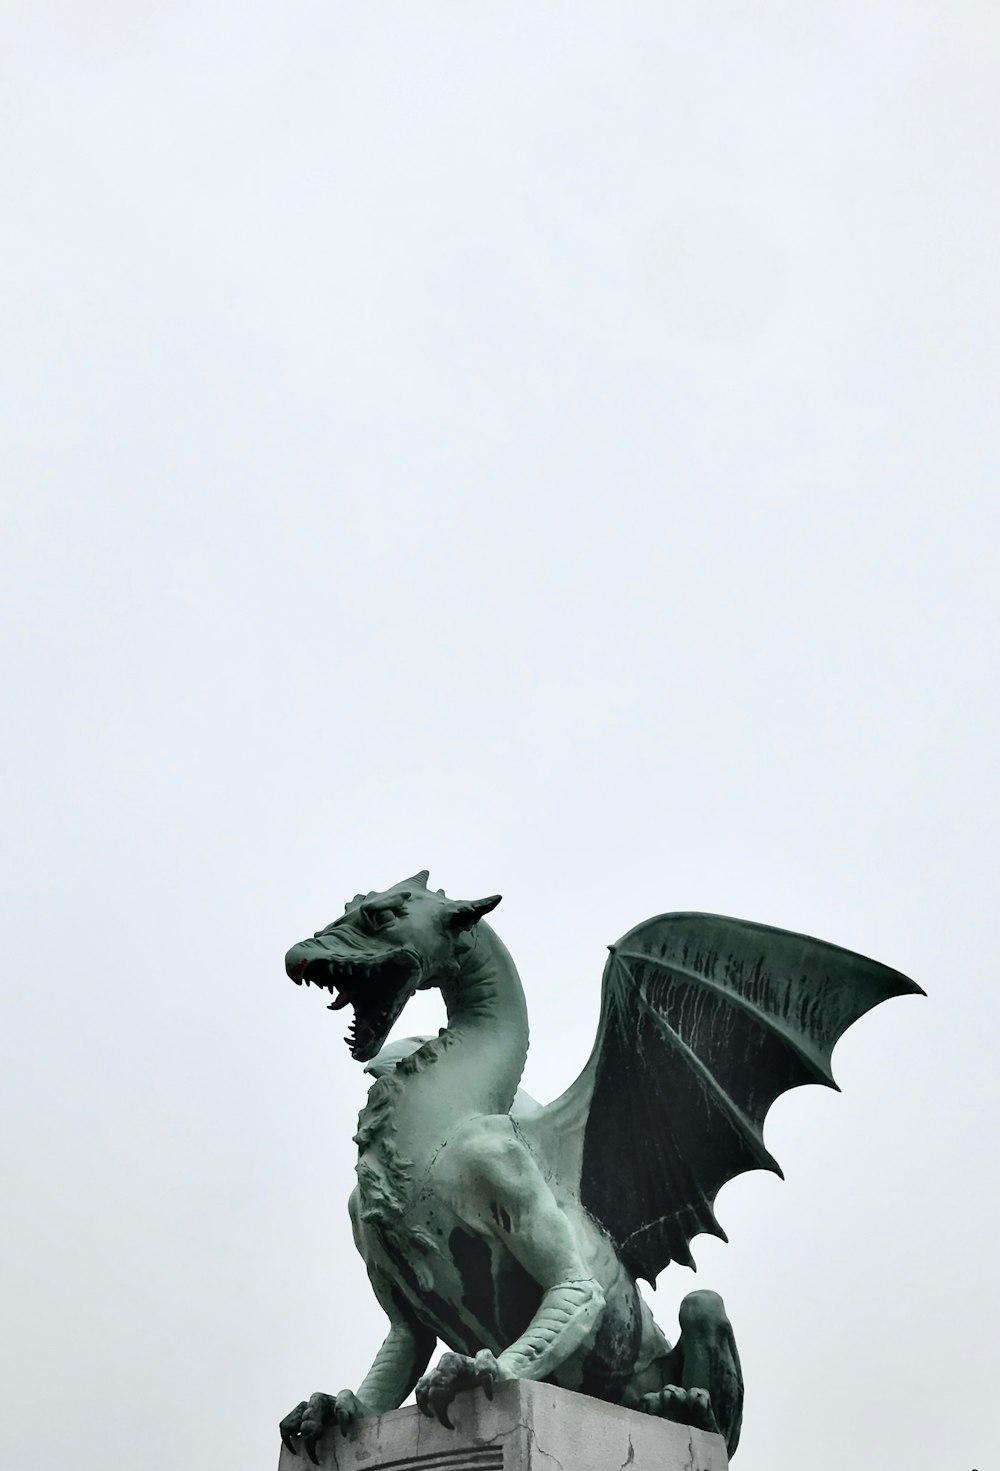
(705, 1021)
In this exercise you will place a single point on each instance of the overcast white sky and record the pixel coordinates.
(546, 442)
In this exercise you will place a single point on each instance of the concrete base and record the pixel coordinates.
(528, 1427)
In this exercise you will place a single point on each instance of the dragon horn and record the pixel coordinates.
(467, 912)
(420, 879)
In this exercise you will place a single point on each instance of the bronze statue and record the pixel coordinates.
(516, 1232)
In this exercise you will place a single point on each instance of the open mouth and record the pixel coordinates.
(376, 989)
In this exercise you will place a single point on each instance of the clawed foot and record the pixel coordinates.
(314, 1417)
(453, 1373)
(685, 1406)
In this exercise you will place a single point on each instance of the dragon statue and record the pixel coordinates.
(516, 1233)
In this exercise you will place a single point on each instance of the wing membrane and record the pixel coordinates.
(705, 1021)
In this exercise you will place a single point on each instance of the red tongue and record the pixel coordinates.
(340, 1002)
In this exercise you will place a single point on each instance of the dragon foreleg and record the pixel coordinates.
(566, 1318)
(398, 1365)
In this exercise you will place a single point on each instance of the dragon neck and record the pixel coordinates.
(473, 1067)
(485, 1043)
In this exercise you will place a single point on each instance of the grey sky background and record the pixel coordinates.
(552, 444)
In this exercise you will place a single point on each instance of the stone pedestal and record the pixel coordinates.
(528, 1427)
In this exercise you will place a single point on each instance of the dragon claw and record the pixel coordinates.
(349, 1408)
(291, 1425)
(683, 1406)
(312, 1418)
(452, 1374)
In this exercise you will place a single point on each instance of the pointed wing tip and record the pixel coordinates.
(904, 985)
(765, 1161)
(768, 1163)
(685, 1260)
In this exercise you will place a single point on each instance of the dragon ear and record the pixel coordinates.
(464, 913)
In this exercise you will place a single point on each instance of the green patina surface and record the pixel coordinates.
(516, 1233)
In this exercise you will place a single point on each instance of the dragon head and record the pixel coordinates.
(384, 947)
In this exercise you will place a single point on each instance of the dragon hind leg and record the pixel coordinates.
(700, 1381)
